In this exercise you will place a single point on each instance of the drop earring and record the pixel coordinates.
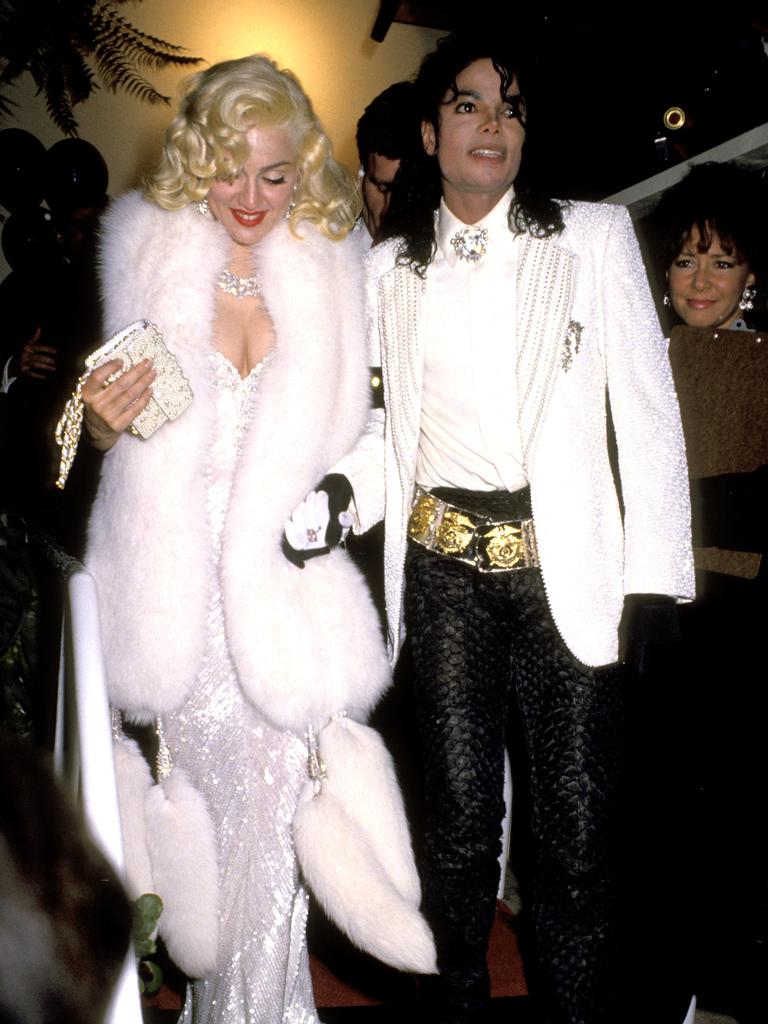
(747, 298)
(203, 208)
(292, 204)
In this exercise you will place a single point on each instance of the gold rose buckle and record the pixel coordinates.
(476, 540)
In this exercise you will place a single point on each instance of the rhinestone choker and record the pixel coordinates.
(240, 287)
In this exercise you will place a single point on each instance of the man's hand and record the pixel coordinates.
(35, 360)
(320, 522)
(649, 632)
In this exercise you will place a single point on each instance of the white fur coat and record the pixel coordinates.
(305, 642)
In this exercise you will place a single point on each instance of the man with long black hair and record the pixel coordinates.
(505, 319)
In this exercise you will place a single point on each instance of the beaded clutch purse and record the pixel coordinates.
(171, 393)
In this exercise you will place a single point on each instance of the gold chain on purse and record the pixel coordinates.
(69, 429)
(171, 393)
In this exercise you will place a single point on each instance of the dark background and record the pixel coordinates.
(601, 81)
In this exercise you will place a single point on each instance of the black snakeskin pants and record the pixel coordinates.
(489, 665)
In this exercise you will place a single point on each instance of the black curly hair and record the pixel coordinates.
(723, 199)
(389, 125)
(418, 186)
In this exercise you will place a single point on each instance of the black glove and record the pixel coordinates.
(339, 491)
(320, 521)
(649, 632)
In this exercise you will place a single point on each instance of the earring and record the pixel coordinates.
(289, 211)
(666, 300)
(747, 298)
(203, 208)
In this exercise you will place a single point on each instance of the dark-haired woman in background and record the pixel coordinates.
(714, 233)
(713, 245)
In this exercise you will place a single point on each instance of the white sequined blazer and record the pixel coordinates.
(586, 325)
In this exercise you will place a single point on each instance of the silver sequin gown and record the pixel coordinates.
(250, 774)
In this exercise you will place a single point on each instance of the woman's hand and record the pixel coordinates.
(110, 408)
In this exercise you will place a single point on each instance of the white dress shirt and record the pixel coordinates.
(469, 434)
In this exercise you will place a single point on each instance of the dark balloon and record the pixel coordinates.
(29, 240)
(21, 169)
(76, 175)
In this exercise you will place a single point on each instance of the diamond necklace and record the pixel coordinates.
(240, 287)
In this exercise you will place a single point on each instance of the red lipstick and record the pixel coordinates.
(249, 218)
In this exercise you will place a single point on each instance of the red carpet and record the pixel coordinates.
(344, 978)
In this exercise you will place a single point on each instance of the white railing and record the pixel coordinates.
(83, 748)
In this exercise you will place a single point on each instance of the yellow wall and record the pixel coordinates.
(325, 42)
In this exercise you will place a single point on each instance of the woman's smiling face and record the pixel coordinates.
(257, 196)
(705, 287)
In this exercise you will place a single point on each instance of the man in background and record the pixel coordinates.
(388, 130)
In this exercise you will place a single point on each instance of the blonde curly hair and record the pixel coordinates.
(207, 140)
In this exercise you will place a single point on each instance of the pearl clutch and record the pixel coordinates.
(171, 393)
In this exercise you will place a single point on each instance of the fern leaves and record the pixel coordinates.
(70, 47)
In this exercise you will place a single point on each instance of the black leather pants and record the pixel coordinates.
(489, 665)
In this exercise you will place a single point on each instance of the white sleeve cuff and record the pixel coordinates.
(7, 381)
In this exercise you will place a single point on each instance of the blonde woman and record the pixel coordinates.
(237, 251)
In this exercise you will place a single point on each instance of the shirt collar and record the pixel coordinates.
(740, 325)
(495, 222)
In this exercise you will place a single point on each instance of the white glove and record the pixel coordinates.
(307, 528)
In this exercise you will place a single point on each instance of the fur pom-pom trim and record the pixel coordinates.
(134, 781)
(362, 874)
(183, 853)
(361, 774)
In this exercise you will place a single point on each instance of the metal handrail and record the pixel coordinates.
(82, 752)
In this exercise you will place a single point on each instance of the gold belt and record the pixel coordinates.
(477, 540)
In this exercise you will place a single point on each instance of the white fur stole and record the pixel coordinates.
(170, 850)
(355, 852)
